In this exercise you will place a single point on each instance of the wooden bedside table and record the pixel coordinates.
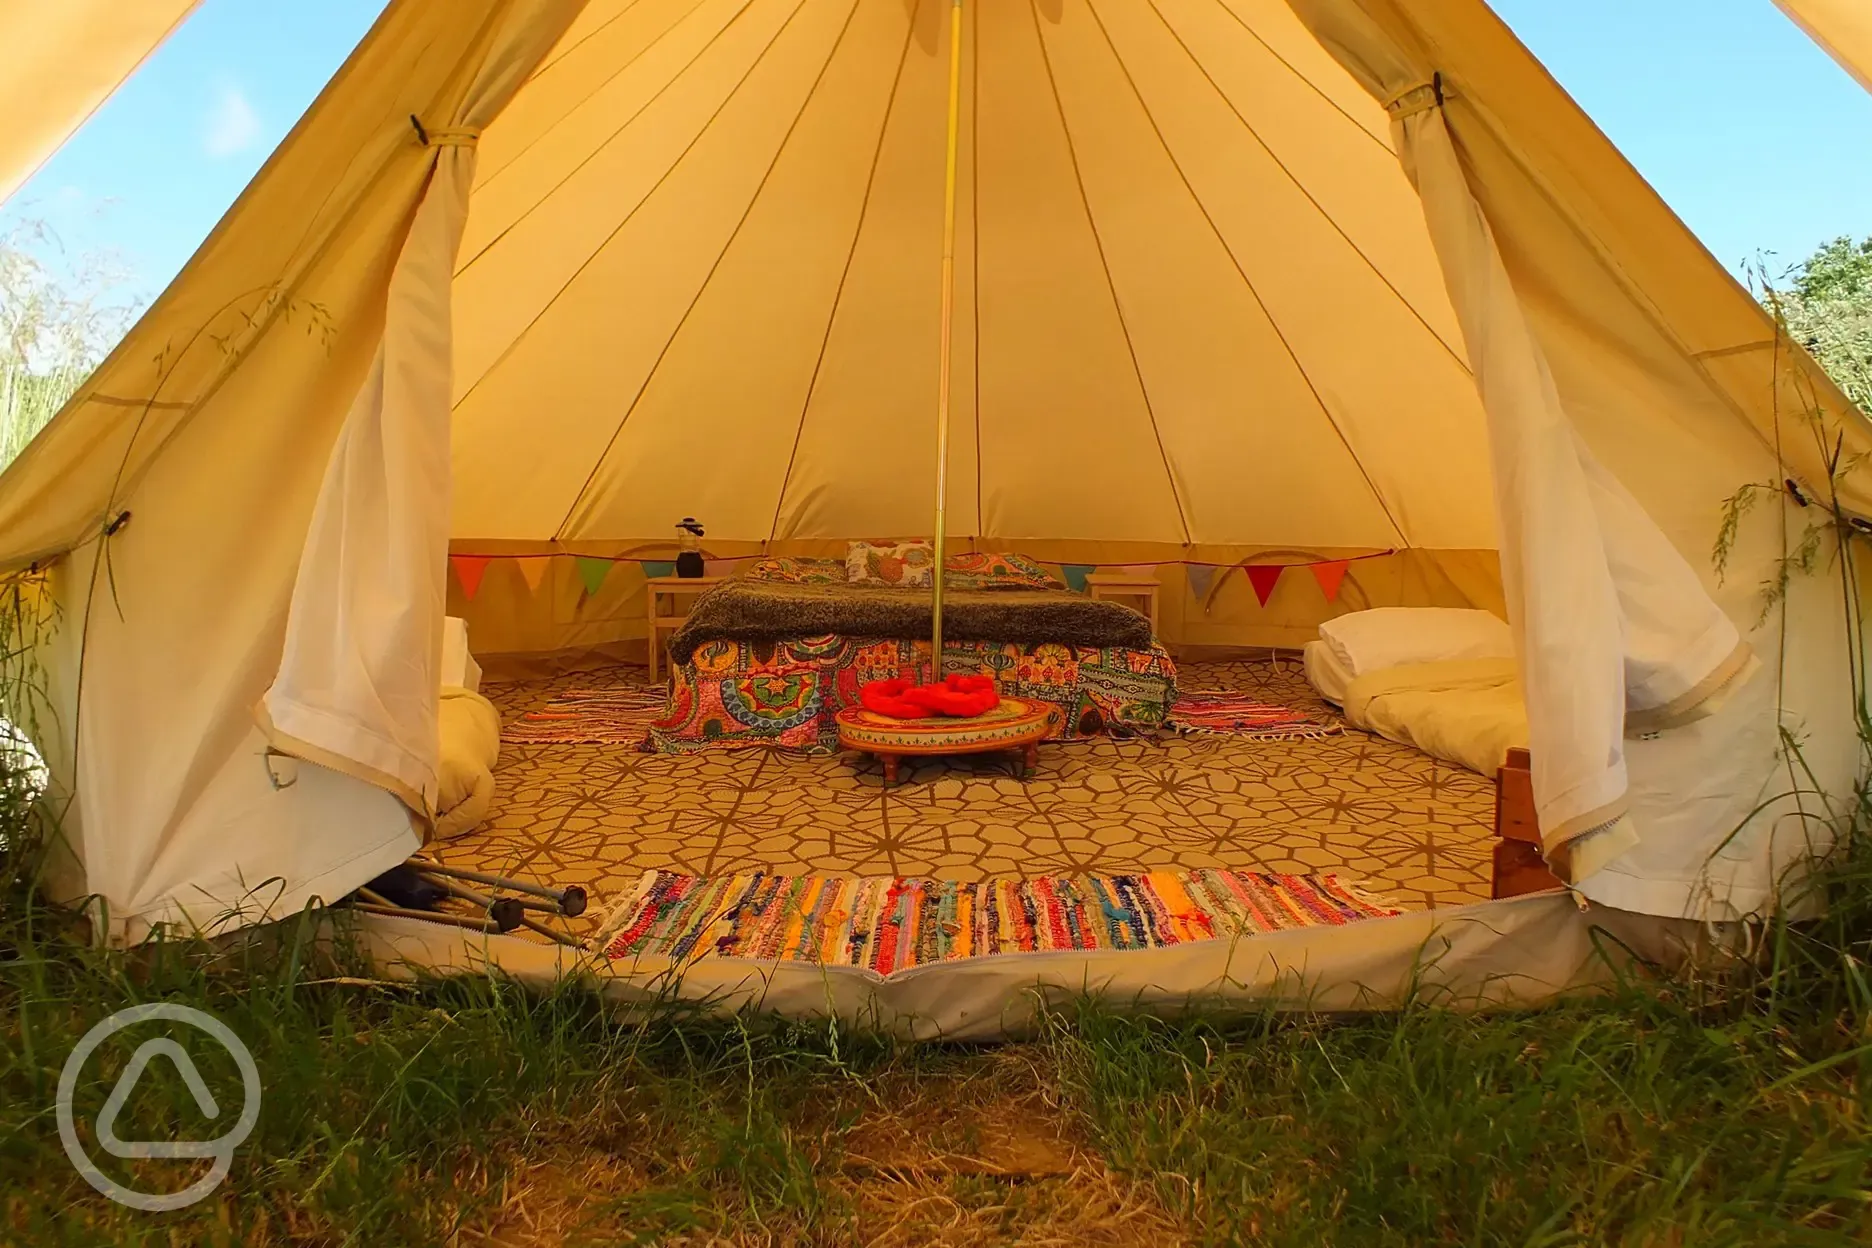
(674, 589)
(1139, 585)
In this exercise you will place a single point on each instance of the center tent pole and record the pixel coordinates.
(948, 316)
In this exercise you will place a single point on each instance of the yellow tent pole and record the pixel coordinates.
(948, 316)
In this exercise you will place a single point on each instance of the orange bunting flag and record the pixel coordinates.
(1263, 577)
(1329, 576)
(533, 571)
(469, 569)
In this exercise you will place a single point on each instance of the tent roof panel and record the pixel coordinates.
(1223, 388)
(872, 413)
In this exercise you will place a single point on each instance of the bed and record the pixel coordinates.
(771, 657)
(1442, 680)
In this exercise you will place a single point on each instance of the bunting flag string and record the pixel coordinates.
(1203, 578)
(469, 569)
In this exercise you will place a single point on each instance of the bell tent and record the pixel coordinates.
(1234, 282)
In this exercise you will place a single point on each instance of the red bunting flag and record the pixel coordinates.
(1263, 577)
(469, 569)
(1329, 576)
(534, 571)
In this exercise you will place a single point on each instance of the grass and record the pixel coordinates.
(1631, 1121)
(1730, 1111)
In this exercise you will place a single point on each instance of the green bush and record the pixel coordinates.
(1827, 304)
(56, 324)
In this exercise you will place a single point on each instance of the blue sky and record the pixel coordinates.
(1751, 132)
(1756, 139)
(154, 169)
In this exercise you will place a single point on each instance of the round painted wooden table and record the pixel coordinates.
(1014, 724)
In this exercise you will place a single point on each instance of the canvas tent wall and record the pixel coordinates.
(1202, 316)
(1842, 27)
(63, 60)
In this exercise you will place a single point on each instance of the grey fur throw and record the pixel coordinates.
(741, 610)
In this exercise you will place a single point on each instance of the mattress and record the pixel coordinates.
(1467, 712)
(1325, 672)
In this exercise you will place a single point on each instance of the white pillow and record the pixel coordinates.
(1370, 641)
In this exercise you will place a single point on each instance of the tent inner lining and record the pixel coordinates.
(573, 284)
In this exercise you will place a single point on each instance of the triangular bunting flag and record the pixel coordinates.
(592, 573)
(1201, 581)
(654, 569)
(1263, 576)
(1329, 575)
(534, 570)
(1075, 575)
(469, 569)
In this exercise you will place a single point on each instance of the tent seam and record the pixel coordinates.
(838, 294)
(1111, 285)
(1291, 68)
(514, 343)
(1292, 355)
(615, 134)
(727, 246)
(551, 62)
(1300, 186)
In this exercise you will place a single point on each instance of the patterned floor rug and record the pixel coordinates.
(589, 717)
(889, 924)
(1420, 830)
(1227, 713)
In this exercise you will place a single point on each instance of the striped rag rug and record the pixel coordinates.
(889, 924)
(1223, 712)
(590, 717)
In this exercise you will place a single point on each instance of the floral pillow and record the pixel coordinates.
(797, 571)
(983, 571)
(905, 565)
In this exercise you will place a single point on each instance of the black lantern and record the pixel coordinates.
(689, 547)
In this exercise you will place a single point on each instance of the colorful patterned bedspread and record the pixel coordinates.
(787, 693)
